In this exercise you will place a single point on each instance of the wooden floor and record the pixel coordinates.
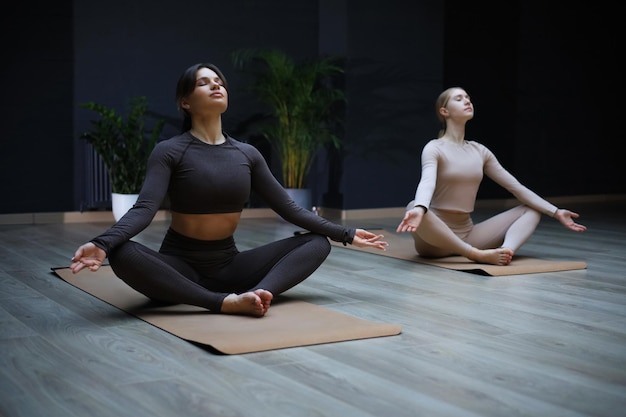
(551, 344)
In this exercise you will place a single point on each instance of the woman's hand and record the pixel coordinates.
(411, 220)
(567, 217)
(88, 255)
(363, 238)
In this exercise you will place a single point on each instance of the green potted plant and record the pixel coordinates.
(301, 100)
(124, 145)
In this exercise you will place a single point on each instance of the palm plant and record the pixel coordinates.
(302, 101)
(123, 144)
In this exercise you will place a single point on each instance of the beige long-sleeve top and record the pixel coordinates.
(452, 173)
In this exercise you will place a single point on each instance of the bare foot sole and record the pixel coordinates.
(498, 256)
(249, 303)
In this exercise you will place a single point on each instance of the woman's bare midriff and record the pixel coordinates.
(215, 226)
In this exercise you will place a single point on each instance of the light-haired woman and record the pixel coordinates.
(439, 217)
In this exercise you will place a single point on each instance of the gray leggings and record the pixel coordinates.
(203, 273)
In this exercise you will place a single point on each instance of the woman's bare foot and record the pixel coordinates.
(266, 298)
(249, 303)
(497, 256)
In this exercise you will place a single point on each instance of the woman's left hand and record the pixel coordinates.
(363, 238)
(567, 217)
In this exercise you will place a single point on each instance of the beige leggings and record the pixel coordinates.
(444, 233)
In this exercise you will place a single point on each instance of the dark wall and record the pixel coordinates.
(395, 70)
(570, 98)
(141, 48)
(36, 150)
(545, 81)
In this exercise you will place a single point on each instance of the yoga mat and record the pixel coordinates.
(401, 247)
(288, 323)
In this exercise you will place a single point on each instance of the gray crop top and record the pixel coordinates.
(202, 179)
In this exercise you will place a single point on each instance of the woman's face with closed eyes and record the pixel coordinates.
(457, 104)
(208, 95)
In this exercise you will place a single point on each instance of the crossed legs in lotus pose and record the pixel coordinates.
(492, 241)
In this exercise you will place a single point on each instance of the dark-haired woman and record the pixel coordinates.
(208, 177)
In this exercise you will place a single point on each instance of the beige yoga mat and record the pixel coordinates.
(401, 247)
(288, 323)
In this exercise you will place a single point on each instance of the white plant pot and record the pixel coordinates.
(121, 203)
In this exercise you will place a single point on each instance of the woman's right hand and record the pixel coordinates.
(411, 221)
(87, 255)
(566, 217)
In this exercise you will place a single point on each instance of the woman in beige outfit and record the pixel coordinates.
(439, 218)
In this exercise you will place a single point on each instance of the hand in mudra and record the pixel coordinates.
(87, 256)
(566, 217)
(363, 238)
